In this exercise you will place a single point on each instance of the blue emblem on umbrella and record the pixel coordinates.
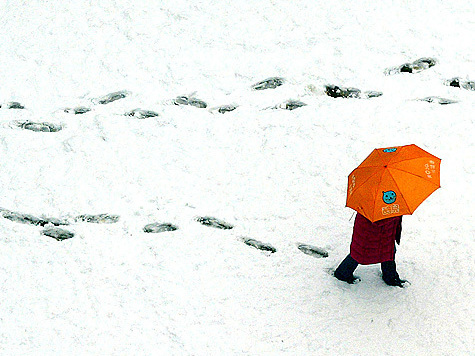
(389, 197)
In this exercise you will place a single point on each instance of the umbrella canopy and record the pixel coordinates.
(392, 181)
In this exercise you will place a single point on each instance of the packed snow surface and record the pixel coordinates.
(275, 175)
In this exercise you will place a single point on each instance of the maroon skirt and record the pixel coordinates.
(374, 242)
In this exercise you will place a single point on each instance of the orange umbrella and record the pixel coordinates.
(393, 181)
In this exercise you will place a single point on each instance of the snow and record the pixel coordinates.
(278, 176)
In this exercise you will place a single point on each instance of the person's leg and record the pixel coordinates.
(390, 275)
(345, 270)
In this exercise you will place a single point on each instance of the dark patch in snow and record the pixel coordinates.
(336, 91)
(226, 108)
(109, 98)
(141, 114)
(259, 245)
(57, 233)
(77, 110)
(184, 100)
(38, 126)
(213, 222)
(98, 219)
(12, 105)
(197, 103)
(56, 221)
(460, 83)
(341, 92)
(269, 83)
(159, 227)
(438, 100)
(181, 100)
(30, 219)
(372, 94)
(290, 105)
(415, 67)
(294, 104)
(313, 250)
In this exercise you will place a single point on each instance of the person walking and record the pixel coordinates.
(389, 183)
(373, 242)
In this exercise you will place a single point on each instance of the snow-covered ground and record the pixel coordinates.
(278, 176)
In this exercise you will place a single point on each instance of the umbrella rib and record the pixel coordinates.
(395, 156)
(402, 160)
(415, 175)
(407, 159)
(366, 178)
(377, 166)
(402, 196)
(379, 188)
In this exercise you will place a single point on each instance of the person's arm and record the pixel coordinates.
(398, 231)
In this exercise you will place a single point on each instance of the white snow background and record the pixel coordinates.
(278, 176)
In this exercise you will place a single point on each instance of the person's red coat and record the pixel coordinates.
(375, 242)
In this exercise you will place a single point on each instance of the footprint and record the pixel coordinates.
(438, 100)
(38, 126)
(259, 245)
(336, 91)
(269, 83)
(98, 219)
(290, 105)
(141, 114)
(415, 67)
(226, 108)
(313, 250)
(57, 233)
(341, 92)
(213, 222)
(460, 83)
(77, 110)
(159, 227)
(12, 105)
(30, 219)
(184, 100)
(111, 97)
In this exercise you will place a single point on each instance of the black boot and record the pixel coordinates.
(345, 270)
(390, 275)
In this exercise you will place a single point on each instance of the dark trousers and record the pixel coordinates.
(348, 265)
